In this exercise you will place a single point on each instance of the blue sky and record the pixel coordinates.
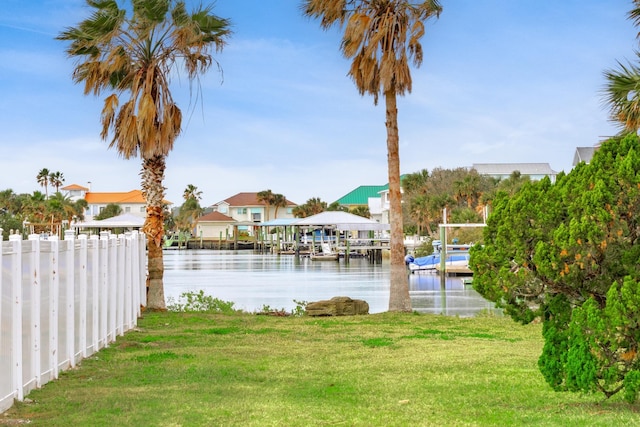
(502, 81)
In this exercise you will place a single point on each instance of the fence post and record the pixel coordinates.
(135, 282)
(16, 315)
(113, 286)
(141, 241)
(95, 291)
(104, 288)
(128, 306)
(122, 242)
(35, 284)
(54, 298)
(69, 237)
(83, 275)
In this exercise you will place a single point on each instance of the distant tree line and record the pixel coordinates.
(42, 212)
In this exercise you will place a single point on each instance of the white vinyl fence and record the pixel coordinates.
(63, 300)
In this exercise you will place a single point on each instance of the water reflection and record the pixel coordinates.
(452, 298)
(252, 281)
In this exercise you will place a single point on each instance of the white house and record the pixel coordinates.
(132, 202)
(246, 209)
(535, 171)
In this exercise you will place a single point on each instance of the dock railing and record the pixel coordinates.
(63, 300)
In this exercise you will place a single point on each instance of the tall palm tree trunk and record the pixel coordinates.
(399, 299)
(152, 179)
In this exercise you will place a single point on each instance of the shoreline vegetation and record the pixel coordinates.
(387, 369)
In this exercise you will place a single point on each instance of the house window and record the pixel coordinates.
(242, 211)
(101, 209)
(222, 209)
(127, 209)
(255, 217)
(142, 209)
(290, 211)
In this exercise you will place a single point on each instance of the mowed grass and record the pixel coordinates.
(386, 369)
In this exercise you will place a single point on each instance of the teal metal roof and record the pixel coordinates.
(360, 196)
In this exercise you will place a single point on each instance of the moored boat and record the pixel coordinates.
(432, 262)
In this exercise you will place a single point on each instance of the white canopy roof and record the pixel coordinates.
(126, 220)
(342, 221)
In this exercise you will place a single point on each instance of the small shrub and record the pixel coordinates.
(301, 308)
(199, 302)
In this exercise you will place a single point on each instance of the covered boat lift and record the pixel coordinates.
(373, 242)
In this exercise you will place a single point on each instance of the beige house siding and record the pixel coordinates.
(213, 230)
(245, 208)
(215, 225)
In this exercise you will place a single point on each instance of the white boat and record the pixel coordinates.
(432, 262)
(327, 254)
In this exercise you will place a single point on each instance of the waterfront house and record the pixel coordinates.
(360, 196)
(535, 171)
(74, 191)
(385, 202)
(365, 195)
(583, 154)
(215, 225)
(246, 210)
(131, 202)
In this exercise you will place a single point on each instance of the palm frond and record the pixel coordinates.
(622, 96)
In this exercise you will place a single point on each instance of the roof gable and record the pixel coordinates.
(74, 187)
(583, 154)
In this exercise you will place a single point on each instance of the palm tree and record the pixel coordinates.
(622, 94)
(337, 207)
(60, 208)
(192, 192)
(78, 209)
(9, 202)
(622, 90)
(131, 53)
(416, 183)
(381, 36)
(34, 208)
(56, 179)
(362, 211)
(266, 197)
(278, 201)
(419, 212)
(43, 180)
(313, 206)
(467, 188)
(189, 213)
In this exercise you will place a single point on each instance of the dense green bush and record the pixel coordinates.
(568, 253)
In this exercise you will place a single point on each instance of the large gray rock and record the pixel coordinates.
(337, 306)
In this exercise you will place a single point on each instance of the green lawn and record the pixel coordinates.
(385, 369)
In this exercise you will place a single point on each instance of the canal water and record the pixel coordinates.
(253, 281)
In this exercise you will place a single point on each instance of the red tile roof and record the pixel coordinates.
(248, 199)
(215, 217)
